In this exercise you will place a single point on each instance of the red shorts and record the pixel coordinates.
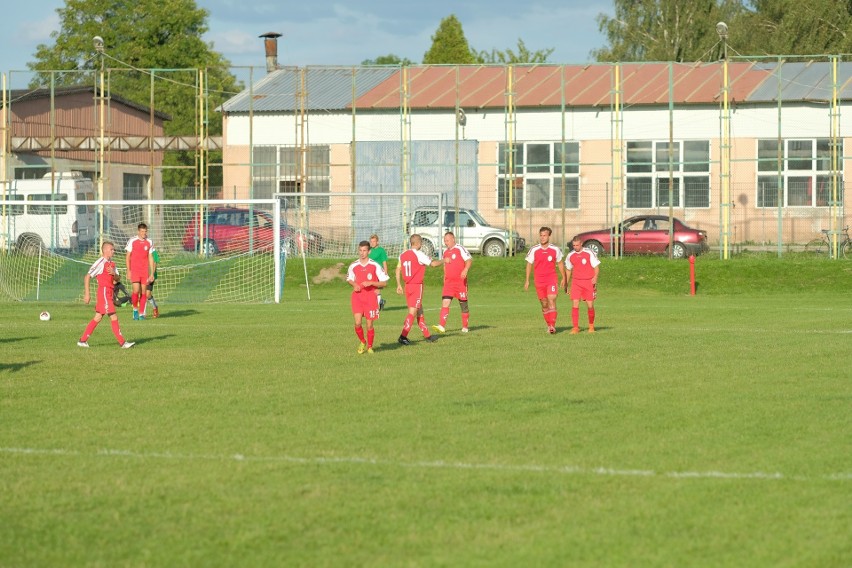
(103, 302)
(455, 289)
(414, 295)
(582, 290)
(139, 274)
(546, 289)
(365, 302)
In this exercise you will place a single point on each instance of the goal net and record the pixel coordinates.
(211, 251)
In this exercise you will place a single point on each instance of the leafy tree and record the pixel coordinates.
(449, 45)
(786, 27)
(389, 59)
(664, 30)
(140, 36)
(523, 55)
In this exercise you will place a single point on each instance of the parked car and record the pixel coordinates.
(472, 231)
(230, 229)
(648, 234)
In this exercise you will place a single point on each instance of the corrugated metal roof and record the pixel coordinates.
(327, 88)
(541, 86)
(804, 81)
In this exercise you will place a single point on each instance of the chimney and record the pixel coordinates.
(270, 42)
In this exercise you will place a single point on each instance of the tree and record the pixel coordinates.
(139, 36)
(449, 44)
(523, 55)
(784, 27)
(663, 30)
(389, 59)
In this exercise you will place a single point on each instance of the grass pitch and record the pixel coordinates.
(707, 431)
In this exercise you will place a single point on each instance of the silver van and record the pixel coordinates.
(33, 214)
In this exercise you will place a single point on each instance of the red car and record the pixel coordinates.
(648, 234)
(227, 229)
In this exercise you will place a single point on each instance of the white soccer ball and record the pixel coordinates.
(44, 316)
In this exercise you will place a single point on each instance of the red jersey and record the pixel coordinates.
(99, 271)
(544, 261)
(414, 263)
(139, 250)
(372, 271)
(455, 259)
(582, 264)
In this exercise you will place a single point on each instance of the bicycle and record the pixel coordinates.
(822, 245)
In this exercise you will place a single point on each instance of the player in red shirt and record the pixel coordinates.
(140, 268)
(105, 272)
(545, 259)
(412, 266)
(365, 276)
(582, 266)
(457, 261)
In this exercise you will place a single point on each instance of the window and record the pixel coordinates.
(654, 166)
(8, 209)
(806, 176)
(47, 209)
(279, 169)
(547, 175)
(134, 188)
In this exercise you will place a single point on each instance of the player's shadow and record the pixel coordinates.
(472, 328)
(15, 339)
(15, 367)
(145, 340)
(583, 330)
(179, 314)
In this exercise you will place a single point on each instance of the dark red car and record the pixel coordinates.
(231, 229)
(648, 234)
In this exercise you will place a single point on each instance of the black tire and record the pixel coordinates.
(678, 250)
(494, 247)
(428, 248)
(29, 244)
(209, 248)
(846, 250)
(817, 247)
(595, 247)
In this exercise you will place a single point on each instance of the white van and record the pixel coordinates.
(34, 215)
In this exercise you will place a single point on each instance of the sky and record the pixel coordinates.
(327, 32)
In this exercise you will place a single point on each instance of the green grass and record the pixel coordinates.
(705, 431)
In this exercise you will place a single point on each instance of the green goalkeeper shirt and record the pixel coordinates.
(380, 255)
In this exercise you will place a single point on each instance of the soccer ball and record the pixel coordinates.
(44, 316)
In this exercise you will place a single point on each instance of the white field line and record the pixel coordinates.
(508, 468)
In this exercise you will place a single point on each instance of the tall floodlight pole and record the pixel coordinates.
(98, 42)
(725, 157)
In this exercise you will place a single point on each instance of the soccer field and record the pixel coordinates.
(704, 431)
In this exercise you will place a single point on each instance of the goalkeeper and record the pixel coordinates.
(149, 292)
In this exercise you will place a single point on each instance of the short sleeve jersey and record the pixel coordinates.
(156, 254)
(139, 250)
(582, 264)
(379, 254)
(414, 263)
(372, 271)
(544, 261)
(99, 271)
(454, 262)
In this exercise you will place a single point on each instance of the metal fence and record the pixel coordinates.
(751, 150)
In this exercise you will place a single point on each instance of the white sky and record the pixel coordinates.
(334, 33)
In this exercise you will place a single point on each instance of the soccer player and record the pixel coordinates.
(582, 266)
(412, 266)
(105, 272)
(545, 259)
(149, 293)
(457, 261)
(380, 255)
(365, 276)
(140, 268)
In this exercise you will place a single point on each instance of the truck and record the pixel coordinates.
(471, 229)
(33, 216)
